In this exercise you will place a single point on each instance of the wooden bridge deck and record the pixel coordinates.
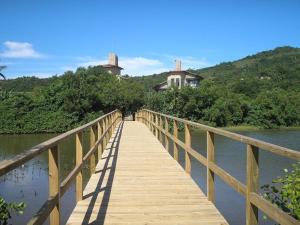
(138, 182)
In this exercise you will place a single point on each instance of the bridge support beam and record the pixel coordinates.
(210, 173)
(188, 144)
(54, 189)
(252, 184)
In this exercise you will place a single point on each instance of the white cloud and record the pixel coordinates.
(141, 66)
(19, 50)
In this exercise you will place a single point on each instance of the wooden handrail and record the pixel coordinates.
(10, 164)
(101, 130)
(251, 190)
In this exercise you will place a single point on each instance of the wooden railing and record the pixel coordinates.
(158, 123)
(101, 130)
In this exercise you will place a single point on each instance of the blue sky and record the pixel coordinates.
(44, 38)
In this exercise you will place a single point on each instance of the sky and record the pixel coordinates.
(48, 37)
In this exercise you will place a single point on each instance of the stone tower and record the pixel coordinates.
(113, 64)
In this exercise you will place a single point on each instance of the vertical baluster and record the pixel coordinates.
(79, 188)
(156, 126)
(106, 134)
(110, 128)
(167, 132)
(54, 183)
(210, 173)
(153, 124)
(100, 146)
(188, 141)
(175, 128)
(104, 137)
(252, 183)
(151, 121)
(93, 138)
(160, 122)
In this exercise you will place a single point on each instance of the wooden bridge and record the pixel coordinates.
(137, 181)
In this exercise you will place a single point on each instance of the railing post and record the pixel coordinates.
(160, 126)
(100, 146)
(252, 183)
(54, 183)
(78, 162)
(156, 127)
(175, 128)
(106, 134)
(187, 134)
(210, 173)
(151, 121)
(110, 128)
(166, 135)
(93, 134)
(104, 137)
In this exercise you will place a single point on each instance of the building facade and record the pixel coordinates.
(179, 78)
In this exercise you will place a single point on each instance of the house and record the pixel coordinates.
(112, 66)
(179, 78)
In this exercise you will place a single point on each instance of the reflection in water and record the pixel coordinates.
(29, 183)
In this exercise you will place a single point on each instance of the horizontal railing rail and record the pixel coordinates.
(101, 130)
(158, 123)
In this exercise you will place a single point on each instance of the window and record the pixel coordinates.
(177, 82)
(172, 82)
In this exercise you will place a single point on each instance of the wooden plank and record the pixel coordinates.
(166, 136)
(175, 134)
(139, 183)
(252, 184)
(79, 179)
(227, 178)
(161, 127)
(41, 216)
(54, 188)
(100, 132)
(93, 138)
(188, 144)
(210, 173)
(272, 211)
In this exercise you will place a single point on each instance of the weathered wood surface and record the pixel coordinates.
(137, 182)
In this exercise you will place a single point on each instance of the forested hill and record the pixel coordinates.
(281, 65)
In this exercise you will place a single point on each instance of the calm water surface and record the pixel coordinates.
(29, 183)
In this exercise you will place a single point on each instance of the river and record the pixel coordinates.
(29, 183)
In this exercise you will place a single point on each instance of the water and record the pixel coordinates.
(29, 183)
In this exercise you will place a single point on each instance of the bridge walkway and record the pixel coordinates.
(138, 182)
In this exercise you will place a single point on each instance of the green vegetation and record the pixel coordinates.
(69, 100)
(6, 209)
(285, 191)
(25, 84)
(262, 90)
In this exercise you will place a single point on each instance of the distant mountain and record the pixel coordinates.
(280, 64)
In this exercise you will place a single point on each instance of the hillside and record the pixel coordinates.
(280, 66)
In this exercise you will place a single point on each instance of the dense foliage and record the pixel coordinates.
(261, 90)
(25, 84)
(6, 209)
(219, 106)
(285, 191)
(70, 100)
